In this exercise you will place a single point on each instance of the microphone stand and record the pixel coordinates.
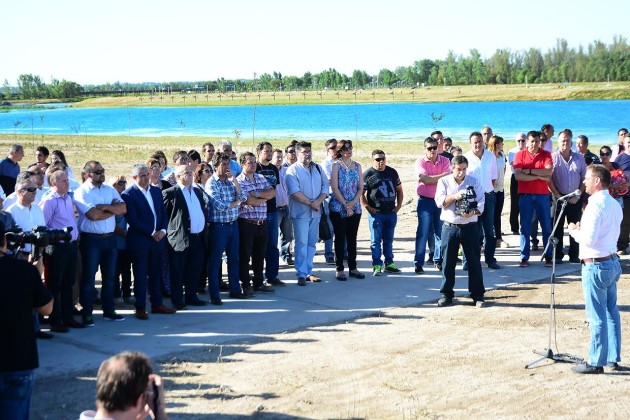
(548, 353)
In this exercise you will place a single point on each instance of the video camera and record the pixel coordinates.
(468, 203)
(40, 237)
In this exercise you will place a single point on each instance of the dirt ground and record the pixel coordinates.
(403, 363)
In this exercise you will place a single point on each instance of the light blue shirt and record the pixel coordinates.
(311, 182)
(235, 168)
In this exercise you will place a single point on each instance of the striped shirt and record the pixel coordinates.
(259, 183)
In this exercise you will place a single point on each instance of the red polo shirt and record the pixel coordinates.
(525, 160)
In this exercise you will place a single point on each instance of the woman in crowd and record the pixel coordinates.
(122, 287)
(495, 145)
(346, 182)
(201, 174)
(619, 182)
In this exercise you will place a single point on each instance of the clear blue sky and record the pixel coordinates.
(93, 42)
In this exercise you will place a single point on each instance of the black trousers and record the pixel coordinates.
(514, 210)
(346, 229)
(252, 244)
(61, 263)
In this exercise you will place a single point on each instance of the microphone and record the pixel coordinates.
(570, 195)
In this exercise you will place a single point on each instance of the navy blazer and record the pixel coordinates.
(140, 217)
(178, 230)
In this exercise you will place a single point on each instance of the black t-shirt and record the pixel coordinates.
(21, 290)
(273, 177)
(380, 187)
(447, 155)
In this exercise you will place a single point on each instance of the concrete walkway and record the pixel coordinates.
(290, 308)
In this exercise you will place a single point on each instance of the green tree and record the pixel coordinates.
(6, 90)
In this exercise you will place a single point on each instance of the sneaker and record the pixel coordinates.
(480, 303)
(391, 268)
(330, 260)
(445, 301)
(523, 263)
(88, 320)
(290, 261)
(377, 270)
(419, 270)
(113, 317)
(588, 369)
(438, 266)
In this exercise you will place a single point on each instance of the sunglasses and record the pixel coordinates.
(207, 171)
(29, 189)
(121, 183)
(379, 159)
(431, 148)
(291, 151)
(346, 148)
(521, 141)
(605, 153)
(99, 172)
(332, 147)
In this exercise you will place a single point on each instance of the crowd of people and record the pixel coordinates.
(173, 227)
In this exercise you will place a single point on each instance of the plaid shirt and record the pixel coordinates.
(260, 183)
(222, 193)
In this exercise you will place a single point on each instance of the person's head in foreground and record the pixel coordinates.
(127, 388)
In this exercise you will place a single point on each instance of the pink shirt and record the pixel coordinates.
(425, 167)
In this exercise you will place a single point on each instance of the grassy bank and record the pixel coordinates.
(487, 93)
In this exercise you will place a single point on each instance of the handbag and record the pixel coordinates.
(325, 233)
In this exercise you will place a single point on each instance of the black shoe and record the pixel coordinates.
(445, 301)
(224, 287)
(438, 266)
(113, 317)
(216, 301)
(494, 265)
(196, 302)
(559, 261)
(535, 247)
(277, 283)
(42, 335)
(419, 270)
(239, 295)
(180, 307)
(616, 367)
(575, 260)
(588, 369)
(290, 261)
(264, 289)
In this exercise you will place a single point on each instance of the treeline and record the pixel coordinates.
(596, 63)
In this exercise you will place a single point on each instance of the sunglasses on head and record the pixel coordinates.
(432, 148)
(379, 159)
(29, 189)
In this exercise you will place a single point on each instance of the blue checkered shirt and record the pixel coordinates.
(222, 193)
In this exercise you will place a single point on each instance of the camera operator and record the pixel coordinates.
(127, 388)
(460, 227)
(21, 292)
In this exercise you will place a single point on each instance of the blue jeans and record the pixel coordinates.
(223, 237)
(272, 255)
(527, 203)
(428, 216)
(306, 232)
(15, 394)
(382, 226)
(286, 232)
(95, 251)
(599, 283)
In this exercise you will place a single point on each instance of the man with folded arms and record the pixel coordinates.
(252, 225)
(226, 197)
(147, 220)
(597, 234)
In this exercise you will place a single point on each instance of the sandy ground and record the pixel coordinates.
(413, 362)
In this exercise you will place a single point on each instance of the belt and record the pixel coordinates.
(254, 222)
(594, 260)
(425, 197)
(223, 223)
(281, 207)
(460, 225)
(99, 235)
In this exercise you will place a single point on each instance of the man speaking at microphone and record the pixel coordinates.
(597, 236)
(569, 169)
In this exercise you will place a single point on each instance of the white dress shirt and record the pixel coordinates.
(599, 226)
(197, 219)
(447, 186)
(90, 196)
(484, 169)
(27, 218)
